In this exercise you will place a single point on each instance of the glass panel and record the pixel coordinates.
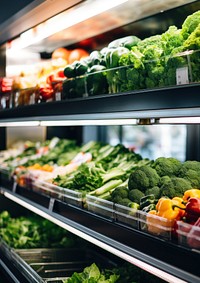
(152, 141)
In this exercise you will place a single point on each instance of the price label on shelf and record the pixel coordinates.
(182, 76)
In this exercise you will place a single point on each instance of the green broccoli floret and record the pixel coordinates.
(135, 195)
(156, 191)
(190, 24)
(171, 39)
(174, 187)
(167, 166)
(125, 202)
(187, 165)
(193, 177)
(131, 74)
(143, 178)
(119, 193)
(177, 59)
(154, 40)
(190, 170)
(193, 41)
(164, 179)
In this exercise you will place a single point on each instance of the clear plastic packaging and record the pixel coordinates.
(27, 96)
(6, 178)
(100, 206)
(126, 215)
(155, 225)
(188, 235)
(47, 188)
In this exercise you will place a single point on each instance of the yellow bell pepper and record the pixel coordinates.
(193, 193)
(167, 208)
(163, 218)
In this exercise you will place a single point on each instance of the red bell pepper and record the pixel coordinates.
(46, 93)
(192, 210)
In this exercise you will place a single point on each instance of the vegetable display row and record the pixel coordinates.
(155, 196)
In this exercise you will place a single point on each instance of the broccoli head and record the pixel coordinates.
(167, 166)
(125, 202)
(156, 191)
(193, 41)
(190, 170)
(189, 165)
(135, 195)
(119, 193)
(174, 187)
(194, 178)
(171, 39)
(190, 24)
(142, 178)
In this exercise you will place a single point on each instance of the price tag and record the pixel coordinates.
(58, 96)
(51, 204)
(182, 76)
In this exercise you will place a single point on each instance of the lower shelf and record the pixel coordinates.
(168, 261)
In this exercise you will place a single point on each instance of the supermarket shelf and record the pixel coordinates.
(157, 103)
(164, 259)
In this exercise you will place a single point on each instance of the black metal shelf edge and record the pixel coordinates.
(164, 255)
(178, 97)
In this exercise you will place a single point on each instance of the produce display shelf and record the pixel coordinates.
(167, 260)
(150, 103)
(43, 265)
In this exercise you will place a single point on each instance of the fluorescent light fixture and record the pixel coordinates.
(63, 21)
(180, 120)
(102, 122)
(98, 122)
(20, 124)
(130, 258)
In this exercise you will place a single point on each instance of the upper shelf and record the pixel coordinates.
(179, 101)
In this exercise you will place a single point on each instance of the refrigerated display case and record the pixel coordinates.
(167, 260)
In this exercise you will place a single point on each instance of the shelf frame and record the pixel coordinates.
(178, 101)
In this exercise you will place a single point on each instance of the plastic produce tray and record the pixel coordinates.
(6, 179)
(100, 207)
(156, 225)
(188, 235)
(68, 196)
(126, 215)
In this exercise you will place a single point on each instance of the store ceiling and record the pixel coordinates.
(11, 7)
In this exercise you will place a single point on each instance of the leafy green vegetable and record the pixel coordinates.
(92, 274)
(33, 232)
